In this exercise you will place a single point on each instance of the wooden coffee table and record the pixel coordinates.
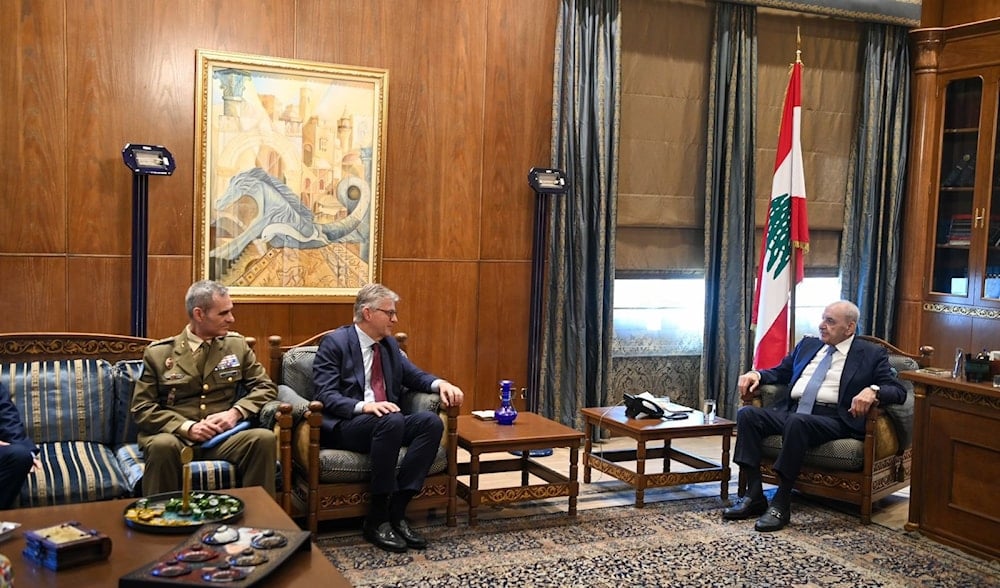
(528, 432)
(132, 549)
(645, 430)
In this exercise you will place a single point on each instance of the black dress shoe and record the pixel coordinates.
(411, 537)
(384, 536)
(774, 519)
(745, 508)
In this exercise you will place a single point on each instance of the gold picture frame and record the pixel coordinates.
(288, 185)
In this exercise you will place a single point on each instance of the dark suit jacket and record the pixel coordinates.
(339, 374)
(866, 364)
(11, 425)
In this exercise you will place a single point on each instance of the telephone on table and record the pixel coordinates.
(645, 406)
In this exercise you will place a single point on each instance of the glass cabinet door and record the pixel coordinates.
(991, 223)
(956, 211)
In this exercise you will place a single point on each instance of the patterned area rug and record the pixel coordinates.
(672, 543)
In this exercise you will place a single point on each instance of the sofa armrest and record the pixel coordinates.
(765, 394)
(412, 402)
(270, 413)
(299, 405)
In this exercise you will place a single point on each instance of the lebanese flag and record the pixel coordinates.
(787, 226)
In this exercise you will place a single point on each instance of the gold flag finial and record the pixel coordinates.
(798, 45)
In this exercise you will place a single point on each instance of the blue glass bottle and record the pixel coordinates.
(506, 414)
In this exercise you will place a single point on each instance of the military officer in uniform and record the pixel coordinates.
(199, 384)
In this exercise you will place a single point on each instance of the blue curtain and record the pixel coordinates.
(729, 204)
(877, 186)
(576, 343)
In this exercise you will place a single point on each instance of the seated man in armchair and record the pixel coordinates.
(191, 390)
(832, 383)
(360, 374)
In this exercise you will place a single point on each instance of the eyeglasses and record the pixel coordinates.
(390, 313)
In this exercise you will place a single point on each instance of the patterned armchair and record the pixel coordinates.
(324, 484)
(74, 391)
(856, 471)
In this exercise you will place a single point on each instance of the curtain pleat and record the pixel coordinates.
(729, 204)
(877, 186)
(576, 344)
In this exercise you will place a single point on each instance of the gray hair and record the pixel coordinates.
(851, 311)
(369, 296)
(201, 294)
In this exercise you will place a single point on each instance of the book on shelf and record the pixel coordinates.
(960, 230)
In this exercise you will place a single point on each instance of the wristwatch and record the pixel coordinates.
(875, 388)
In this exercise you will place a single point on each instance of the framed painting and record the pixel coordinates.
(288, 185)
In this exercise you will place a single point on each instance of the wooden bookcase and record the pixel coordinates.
(950, 277)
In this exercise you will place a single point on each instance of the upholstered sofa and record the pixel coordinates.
(864, 471)
(325, 484)
(74, 391)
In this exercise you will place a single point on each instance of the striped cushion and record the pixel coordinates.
(68, 400)
(125, 373)
(74, 471)
(205, 474)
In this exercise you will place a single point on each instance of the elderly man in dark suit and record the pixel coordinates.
(833, 381)
(360, 375)
(18, 454)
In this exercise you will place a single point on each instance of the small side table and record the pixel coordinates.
(528, 432)
(644, 430)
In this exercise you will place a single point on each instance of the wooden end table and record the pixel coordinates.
(131, 549)
(645, 430)
(528, 432)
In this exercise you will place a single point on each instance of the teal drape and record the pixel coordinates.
(576, 343)
(729, 204)
(877, 186)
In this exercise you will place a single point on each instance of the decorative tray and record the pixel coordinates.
(220, 554)
(163, 513)
(7, 529)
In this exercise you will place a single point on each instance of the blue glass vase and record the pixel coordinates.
(506, 414)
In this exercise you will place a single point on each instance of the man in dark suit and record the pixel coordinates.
(18, 454)
(850, 375)
(360, 375)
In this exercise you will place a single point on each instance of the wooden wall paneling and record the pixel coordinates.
(504, 306)
(954, 13)
(517, 123)
(34, 122)
(34, 293)
(435, 131)
(306, 320)
(98, 294)
(945, 332)
(169, 279)
(985, 334)
(99, 186)
(438, 307)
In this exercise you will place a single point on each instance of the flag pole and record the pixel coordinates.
(793, 283)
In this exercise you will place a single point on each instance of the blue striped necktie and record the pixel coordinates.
(815, 382)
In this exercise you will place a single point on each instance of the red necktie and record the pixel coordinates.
(378, 380)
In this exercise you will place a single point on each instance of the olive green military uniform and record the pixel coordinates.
(178, 386)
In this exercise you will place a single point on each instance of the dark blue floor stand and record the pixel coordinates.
(533, 453)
